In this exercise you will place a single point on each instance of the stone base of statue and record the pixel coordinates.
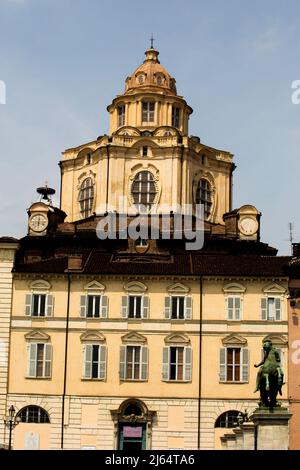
(271, 428)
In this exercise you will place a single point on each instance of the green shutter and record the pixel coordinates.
(166, 364)
(245, 365)
(277, 308)
(188, 364)
(188, 302)
(104, 306)
(264, 307)
(122, 362)
(47, 360)
(223, 375)
(124, 307)
(88, 356)
(145, 306)
(83, 305)
(32, 359)
(167, 308)
(144, 363)
(102, 362)
(28, 304)
(49, 305)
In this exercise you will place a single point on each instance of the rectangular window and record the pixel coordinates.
(271, 308)
(133, 363)
(175, 116)
(121, 115)
(93, 306)
(95, 361)
(135, 306)
(38, 305)
(39, 360)
(148, 108)
(234, 304)
(234, 364)
(145, 151)
(177, 363)
(178, 307)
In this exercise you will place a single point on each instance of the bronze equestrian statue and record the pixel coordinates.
(270, 376)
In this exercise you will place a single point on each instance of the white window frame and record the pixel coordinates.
(244, 365)
(187, 307)
(143, 363)
(88, 361)
(32, 360)
(265, 308)
(186, 366)
(84, 305)
(29, 304)
(237, 312)
(126, 304)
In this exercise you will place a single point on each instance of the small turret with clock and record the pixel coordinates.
(43, 217)
(243, 223)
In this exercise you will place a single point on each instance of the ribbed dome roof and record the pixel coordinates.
(151, 74)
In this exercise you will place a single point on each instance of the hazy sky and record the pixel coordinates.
(63, 61)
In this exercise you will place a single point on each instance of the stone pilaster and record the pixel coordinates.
(8, 248)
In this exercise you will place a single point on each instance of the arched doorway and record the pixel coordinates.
(133, 426)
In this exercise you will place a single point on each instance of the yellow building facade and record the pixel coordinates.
(121, 344)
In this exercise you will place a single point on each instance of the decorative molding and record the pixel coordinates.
(40, 285)
(274, 289)
(234, 288)
(177, 339)
(7, 255)
(135, 286)
(277, 340)
(134, 337)
(37, 335)
(95, 285)
(178, 288)
(234, 340)
(92, 336)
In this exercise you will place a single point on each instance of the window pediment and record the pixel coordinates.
(134, 337)
(234, 340)
(135, 286)
(40, 285)
(279, 341)
(92, 336)
(177, 338)
(178, 288)
(94, 286)
(234, 288)
(274, 289)
(37, 335)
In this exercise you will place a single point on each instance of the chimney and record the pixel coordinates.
(74, 262)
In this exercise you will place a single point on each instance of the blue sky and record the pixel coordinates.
(63, 61)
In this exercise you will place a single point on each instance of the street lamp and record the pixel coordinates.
(11, 421)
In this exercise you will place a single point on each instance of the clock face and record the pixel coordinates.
(38, 222)
(248, 226)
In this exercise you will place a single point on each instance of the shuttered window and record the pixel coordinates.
(39, 360)
(148, 108)
(94, 361)
(94, 306)
(234, 365)
(177, 364)
(271, 308)
(135, 306)
(234, 307)
(134, 363)
(39, 305)
(178, 307)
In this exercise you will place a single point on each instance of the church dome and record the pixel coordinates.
(150, 74)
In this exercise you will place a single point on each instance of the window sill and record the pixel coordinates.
(177, 381)
(84, 379)
(133, 380)
(233, 383)
(38, 378)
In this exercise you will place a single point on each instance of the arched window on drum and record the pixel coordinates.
(204, 197)
(86, 197)
(143, 191)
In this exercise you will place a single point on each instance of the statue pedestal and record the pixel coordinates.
(271, 428)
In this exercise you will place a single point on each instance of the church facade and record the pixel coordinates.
(139, 343)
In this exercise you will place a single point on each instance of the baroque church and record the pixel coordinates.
(138, 343)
